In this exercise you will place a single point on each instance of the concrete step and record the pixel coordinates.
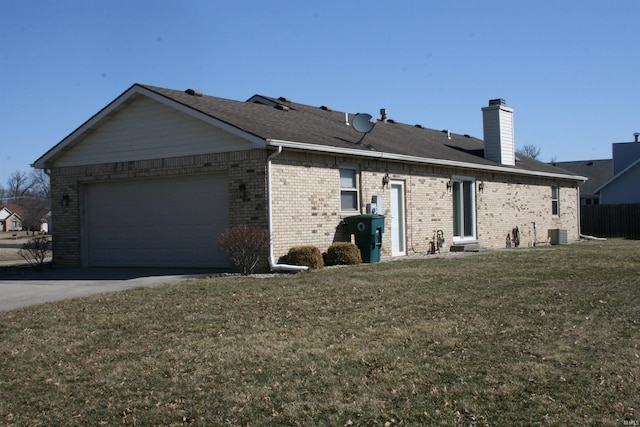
(465, 247)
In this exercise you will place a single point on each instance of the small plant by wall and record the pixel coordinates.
(305, 255)
(35, 250)
(244, 245)
(343, 253)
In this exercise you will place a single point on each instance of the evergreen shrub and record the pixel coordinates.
(343, 253)
(305, 255)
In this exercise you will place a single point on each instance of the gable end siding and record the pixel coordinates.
(147, 129)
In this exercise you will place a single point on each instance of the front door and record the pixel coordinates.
(398, 245)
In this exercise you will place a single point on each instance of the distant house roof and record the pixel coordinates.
(597, 171)
(618, 176)
(267, 121)
(4, 213)
(14, 209)
(23, 213)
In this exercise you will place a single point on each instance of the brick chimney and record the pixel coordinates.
(497, 123)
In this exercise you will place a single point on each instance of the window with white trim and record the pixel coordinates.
(349, 190)
(555, 200)
(464, 208)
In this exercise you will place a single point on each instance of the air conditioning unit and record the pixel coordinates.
(558, 236)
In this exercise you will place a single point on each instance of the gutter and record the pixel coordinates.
(414, 159)
(272, 264)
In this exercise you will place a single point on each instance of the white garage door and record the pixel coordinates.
(169, 222)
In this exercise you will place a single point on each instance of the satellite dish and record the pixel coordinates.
(363, 123)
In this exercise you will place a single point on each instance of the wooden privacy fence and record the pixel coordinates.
(610, 220)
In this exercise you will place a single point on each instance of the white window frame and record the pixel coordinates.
(460, 180)
(555, 201)
(355, 190)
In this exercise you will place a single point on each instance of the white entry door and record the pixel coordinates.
(397, 229)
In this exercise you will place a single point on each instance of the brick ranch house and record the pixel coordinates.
(157, 175)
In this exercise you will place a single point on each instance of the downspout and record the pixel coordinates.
(272, 263)
(270, 197)
(580, 235)
(579, 211)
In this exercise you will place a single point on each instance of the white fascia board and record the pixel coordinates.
(414, 159)
(88, 126)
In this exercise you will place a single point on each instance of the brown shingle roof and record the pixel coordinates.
(320, 126)
(308, 127)
(597, 171)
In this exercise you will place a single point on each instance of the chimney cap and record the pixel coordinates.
(497, 101)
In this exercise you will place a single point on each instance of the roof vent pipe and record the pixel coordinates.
(193, 92)
(635, 136)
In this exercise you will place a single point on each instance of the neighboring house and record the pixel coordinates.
(4, 214)
(624, 186)
(597, 171)
(9, 219)
(31, 218)
(156, 176)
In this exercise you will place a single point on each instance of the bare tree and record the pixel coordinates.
(18, 185)
(530, 151)
(33, 211)
(40, 183)
(30, 195)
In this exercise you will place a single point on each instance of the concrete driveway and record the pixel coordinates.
(24, 288)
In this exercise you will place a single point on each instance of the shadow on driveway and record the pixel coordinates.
(25, 286)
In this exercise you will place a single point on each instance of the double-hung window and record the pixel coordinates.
(349, 190)
(555, 200)
(464, 208)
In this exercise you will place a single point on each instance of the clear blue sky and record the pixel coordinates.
(570, 69)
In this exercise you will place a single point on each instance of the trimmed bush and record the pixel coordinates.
(244, 245)
(305, 255)
(343, 253)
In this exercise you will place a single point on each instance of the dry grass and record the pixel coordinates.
(11, 254)
(548, 336)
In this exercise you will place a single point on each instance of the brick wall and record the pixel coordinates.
(503, 205)
(306, 199)
(307, 203)
(246, 168)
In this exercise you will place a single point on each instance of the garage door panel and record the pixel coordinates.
(170, 222)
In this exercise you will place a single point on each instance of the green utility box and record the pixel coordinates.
(368, 230)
